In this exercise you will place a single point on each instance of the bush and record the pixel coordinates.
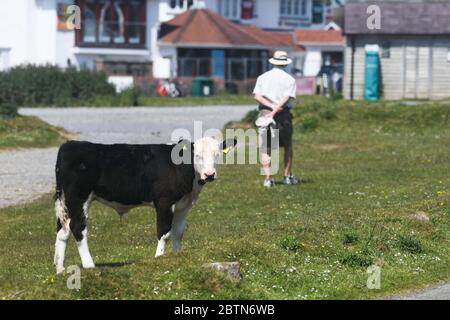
(356, 259)
(8, 111)
(31, 85)
(251, 116)
(410, 244)
(308, 123)
(350, 238)
(290, 243)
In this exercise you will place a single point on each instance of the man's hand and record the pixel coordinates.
(270, 115)
(262, 100)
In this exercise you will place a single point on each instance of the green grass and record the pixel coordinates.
(127, 99)
(220, 99)
(26, 132)
(368, 174)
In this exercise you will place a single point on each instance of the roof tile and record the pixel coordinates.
(322, 36)
(205, 27)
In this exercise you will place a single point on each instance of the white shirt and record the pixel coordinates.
(276, 84)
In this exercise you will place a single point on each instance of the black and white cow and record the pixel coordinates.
(125, 176)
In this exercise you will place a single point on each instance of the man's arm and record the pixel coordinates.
(279, 106)
(289, 93)
(263, 100)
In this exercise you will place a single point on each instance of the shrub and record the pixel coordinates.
(8, 111)
(410, 244)
(356, 259)
(251, 116)
(350, 238)
(308, 123)
(31, 85)
(290, 243)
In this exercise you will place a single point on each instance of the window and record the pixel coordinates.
(249, 9)
(317, 11)
(304, 8)
(229, 8)
(386, 50)
(180, 3)
(293, 8)
(112, 23)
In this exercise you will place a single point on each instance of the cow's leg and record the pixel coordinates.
(78, 212)
(164, 217)
(62, 234)
(182, 208)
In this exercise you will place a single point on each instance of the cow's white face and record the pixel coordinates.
(207, 153)
(206, 157)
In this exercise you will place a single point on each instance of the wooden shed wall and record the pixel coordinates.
(418, 67)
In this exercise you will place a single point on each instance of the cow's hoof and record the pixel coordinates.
(60, 270)
(159, 254)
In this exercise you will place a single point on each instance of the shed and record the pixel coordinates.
(414, 49)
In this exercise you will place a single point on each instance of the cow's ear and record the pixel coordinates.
(228, 144)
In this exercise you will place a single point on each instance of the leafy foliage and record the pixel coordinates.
(8, 111)
(31, 85)
(410, 244)
(290, 243)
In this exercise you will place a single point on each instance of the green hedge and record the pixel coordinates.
(8, 111)
(31, 85)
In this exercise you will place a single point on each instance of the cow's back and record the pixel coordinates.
(128, 174)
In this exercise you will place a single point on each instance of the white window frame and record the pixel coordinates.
(230, 9)
(255, 9)
(288, 8)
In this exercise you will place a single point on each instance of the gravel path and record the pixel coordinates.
(436, 292)
(27, 174)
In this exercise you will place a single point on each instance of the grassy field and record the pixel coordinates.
(128, 98)
(26, 132)
(376, 191)
(220, 99)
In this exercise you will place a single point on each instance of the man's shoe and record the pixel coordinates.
(290, 180)
(268, 183)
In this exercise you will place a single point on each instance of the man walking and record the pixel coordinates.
(274, 91)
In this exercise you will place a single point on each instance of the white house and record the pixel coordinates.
(121, 36)
(321, 47)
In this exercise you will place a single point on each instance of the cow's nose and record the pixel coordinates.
(210, 176)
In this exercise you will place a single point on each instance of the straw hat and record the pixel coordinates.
(280, 58)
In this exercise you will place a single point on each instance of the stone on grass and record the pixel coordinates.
(421, 216)
(229, 269)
